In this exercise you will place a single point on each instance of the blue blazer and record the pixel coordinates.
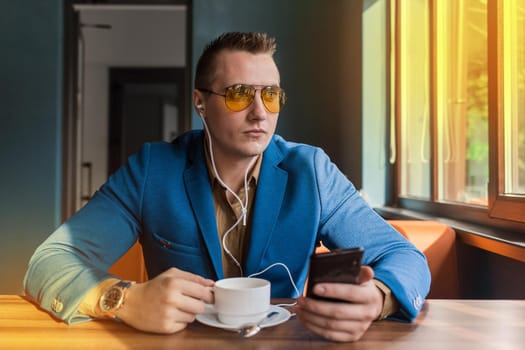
(162, 197)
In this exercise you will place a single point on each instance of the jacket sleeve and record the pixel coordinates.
(348, 221)
(76, 257)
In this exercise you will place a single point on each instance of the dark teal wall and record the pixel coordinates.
(30, 127)
(319, 56)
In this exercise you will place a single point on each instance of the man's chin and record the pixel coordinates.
(255, 146)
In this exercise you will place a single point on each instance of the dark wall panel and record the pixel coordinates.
(484, 275)
(30, 126)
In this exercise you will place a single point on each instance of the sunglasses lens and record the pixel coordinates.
(273, 98)
(239, 97)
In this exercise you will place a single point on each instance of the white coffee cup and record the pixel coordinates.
(240, 300)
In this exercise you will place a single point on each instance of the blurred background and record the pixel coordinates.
(84, 83)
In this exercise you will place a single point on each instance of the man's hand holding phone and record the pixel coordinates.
(342, 299)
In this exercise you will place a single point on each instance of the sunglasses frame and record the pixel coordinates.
(252, 91)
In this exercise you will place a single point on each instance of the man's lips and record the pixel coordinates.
(255, 132)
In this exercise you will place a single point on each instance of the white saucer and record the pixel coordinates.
(209, 318)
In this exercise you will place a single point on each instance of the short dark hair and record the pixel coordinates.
(236, 41)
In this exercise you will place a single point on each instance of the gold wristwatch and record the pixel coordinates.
(113, 299)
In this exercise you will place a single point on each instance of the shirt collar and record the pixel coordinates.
(253, 175)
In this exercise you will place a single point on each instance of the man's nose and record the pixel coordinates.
(258, 109)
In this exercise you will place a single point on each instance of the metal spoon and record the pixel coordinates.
(251, 329)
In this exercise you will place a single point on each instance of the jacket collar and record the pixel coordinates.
(268, 201)
(198, 187)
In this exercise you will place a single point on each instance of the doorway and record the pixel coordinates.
(144, 105)
(126, 83)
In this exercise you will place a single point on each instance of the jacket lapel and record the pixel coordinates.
(199, 191)
(270, 193)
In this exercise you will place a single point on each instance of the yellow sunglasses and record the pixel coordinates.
(240, 96)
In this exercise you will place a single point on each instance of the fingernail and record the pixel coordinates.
(319, 290)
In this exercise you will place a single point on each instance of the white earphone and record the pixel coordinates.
(200, 109)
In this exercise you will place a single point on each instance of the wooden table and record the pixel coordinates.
(442, 324)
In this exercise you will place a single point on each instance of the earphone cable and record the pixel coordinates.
(244, 206)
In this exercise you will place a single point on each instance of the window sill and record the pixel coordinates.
(501, 242)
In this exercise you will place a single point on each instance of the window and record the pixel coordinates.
(462, 101)
(460, 108)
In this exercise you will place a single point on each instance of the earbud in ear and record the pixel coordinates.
(200, 109)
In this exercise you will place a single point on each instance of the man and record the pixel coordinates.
(230, 200)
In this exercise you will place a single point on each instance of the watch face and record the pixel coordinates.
(111, 299)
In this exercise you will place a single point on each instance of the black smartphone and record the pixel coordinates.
(337, 266)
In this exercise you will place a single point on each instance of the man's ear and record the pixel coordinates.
(197, 100)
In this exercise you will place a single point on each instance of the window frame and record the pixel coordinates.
(502, 205)
(503, 211)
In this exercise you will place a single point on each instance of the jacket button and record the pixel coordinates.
(417, 302)
(57, 306)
